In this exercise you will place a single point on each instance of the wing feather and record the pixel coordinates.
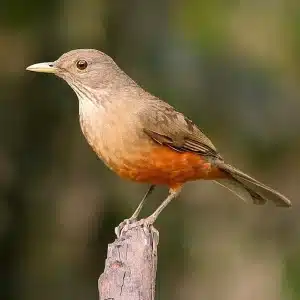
(166, 126)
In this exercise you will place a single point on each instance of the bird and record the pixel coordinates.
(143, 138)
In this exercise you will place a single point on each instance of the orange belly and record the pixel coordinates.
(163, 165)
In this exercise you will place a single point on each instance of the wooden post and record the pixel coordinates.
(130, 266)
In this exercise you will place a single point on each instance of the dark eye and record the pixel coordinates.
(81, 64)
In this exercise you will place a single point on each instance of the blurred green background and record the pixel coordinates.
(231, 66)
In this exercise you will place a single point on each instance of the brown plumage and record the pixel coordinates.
(143, 138)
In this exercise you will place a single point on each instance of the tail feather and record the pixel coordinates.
(240, 190)
(247, 188)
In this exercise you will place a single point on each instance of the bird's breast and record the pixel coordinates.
(112, 133)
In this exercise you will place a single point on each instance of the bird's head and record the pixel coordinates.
(82, 69)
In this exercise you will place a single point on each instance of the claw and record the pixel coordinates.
(123, 226)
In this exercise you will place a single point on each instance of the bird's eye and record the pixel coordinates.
(81, 64)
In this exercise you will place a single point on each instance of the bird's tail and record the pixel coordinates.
(247, 188)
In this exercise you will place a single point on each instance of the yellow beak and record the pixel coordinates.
(47, 67)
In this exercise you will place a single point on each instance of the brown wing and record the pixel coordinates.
(168, 127)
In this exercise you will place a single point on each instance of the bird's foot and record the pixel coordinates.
(128, 224)
(123, 226)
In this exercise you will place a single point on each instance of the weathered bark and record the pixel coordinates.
(130, 267)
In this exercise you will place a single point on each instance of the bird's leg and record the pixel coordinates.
(120, 227)
(148, 222)
(139, 208)
(152, 218)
